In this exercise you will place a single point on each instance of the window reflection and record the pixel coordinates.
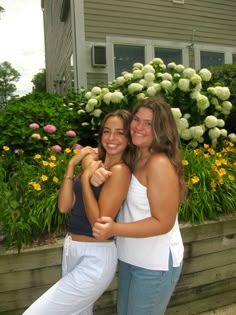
(125, 56)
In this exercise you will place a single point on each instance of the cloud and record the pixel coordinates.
(22, 40)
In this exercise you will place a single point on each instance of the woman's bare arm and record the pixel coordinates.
(112, 194)
(163, 197)
(66, 197)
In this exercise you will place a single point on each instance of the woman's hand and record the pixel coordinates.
(100, 176)
(91, 169)
(103, 228)
(77, 158)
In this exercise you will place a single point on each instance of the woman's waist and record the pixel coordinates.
(85, 238)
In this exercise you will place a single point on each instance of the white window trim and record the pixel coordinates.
(148, 50)
(178, 1)
(227, 51)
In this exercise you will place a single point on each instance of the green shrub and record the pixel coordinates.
(40, 131)
(225, 75)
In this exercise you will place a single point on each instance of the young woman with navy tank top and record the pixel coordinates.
(89, 265)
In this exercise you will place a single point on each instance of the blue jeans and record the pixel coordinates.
(143, 291)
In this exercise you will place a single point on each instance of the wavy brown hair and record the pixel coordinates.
(128, 153)
(166, 138)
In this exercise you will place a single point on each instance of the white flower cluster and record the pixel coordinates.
(199, 111)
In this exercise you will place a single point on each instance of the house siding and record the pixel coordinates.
(196, 25)
(96, 79)
(58, 48)
(212, 20)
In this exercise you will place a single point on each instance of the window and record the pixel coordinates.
(125, 56)
(211, 59)
(234, 58)
(169, 55)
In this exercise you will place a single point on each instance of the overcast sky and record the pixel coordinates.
(22, 39)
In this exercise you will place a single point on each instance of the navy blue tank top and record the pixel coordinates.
(78, 222)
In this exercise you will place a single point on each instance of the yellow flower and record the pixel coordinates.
(222, 171)
(76, 151)
(52, 165)
(44, 178)
(184, 162)
(223, 161)
(196, 151)
(211, 151)
(231, 177)
(55, 179)
(195, 179)
(213, 186)
(52, 158)
(37, 156)
(5, 148)
(37, 186)
(45, 163)
(217, 162)
(67, 151)
(206, 146)
(206, 155)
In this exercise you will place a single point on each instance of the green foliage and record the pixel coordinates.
(211, 180)
(31, 170)
(226, 75)
(8, 76)
(44, 109)
(39, 81)
(29, 195)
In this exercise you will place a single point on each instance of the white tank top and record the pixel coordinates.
(150, 252)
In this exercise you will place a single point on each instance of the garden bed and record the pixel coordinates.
(208, 279)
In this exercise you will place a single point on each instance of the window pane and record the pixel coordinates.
(169, 55)
(234, 58)
(126, 56)
(211, 59)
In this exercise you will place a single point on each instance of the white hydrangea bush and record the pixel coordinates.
(200, 110)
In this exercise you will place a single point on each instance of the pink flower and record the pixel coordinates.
(19, 151)
(34, 126)
(77, 146)
(49, 128)
(56, 148)
(71, 133)
(36, 136)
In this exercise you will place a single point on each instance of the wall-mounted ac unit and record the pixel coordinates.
(99, 56)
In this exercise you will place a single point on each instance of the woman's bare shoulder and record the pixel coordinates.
(159, 159)
(120, 167)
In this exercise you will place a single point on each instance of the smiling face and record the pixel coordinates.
(141, 128)
(113, 139)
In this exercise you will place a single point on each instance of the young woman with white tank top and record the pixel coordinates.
(149, 243)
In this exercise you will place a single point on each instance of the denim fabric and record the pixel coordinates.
(143, 291)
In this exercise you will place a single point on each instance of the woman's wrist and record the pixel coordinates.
(69, 177)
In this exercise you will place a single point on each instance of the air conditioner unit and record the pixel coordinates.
(99, 56)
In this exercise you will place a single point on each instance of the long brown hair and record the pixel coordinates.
(166, 138)
(125, 116)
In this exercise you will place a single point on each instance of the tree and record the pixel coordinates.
(2, 9)
(39, 81)
(8, 75)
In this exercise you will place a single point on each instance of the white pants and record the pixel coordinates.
(87, 270)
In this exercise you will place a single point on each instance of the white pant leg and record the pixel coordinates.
(76, 292)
